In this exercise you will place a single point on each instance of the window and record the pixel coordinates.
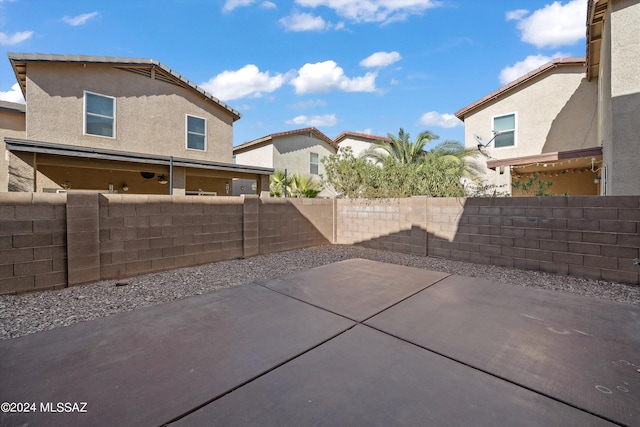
(233, 159)
(313, 164)
(196, 133)
(100, 115)
(506, 125)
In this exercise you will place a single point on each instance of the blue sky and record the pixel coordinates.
(369, 66)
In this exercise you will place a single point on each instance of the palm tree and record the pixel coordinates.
(305, 186)
(455, 153)
(400, 148)
(279, 184)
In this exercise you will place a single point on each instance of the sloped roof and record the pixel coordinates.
(142, 66)
(344, 135)
(12, 107)
(549, 66)
(269, 138)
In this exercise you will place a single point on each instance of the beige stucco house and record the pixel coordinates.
(116, 125)
(358, 142)
(547, 125)
(573, 121)
(300, 150)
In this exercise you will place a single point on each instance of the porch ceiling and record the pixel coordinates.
(84, 157)
(563, 160)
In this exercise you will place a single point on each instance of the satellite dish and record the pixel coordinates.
(481, 140)
(482, 143)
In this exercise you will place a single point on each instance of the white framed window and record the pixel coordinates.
(196, 133)
(506, 126)
(99, 115)
(313, 163)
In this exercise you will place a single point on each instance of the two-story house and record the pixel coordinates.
(574, 121)
(298, 150)
(358, 142)
(116, 125)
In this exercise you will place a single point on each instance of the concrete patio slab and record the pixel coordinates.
(149, 366)
(426, 350)
(367, 378)
(578, 350)
(355, 288)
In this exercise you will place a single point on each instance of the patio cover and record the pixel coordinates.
(571, 159)
(52, 153)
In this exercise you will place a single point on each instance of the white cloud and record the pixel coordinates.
(327, 76)
(381, 59)
(229, 5)
(516, 15)
(15, 38)
(268, 5)
(303, 22)
(384, 11)
(305, 105)
(433, 118)
(80, 19)
(12, 95)
(554, 25)
(530, 63)
(247, 81)
(324, 120)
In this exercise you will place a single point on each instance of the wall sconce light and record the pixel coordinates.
(596, 180)
(162, 179)
(226, 187)
(125, 187)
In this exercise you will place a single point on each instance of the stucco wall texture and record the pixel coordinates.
(554, 112)
(12, 124)
(150, 113)
(620, 84)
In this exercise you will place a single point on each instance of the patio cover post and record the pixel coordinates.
(171, 175)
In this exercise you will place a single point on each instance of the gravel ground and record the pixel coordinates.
(28, 313)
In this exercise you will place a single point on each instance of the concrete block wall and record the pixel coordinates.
(33, 251)
(83, 237)
(52, 240)
(144, 233)
(593, 237)
(391, 224)
(286, 224)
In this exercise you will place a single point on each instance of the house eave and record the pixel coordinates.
(19, 63)
(527, 78)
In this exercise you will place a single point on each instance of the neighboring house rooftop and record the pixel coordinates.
(344, 135)
(146, 67)
(269, 138)
(558, 62)
(12, 107)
